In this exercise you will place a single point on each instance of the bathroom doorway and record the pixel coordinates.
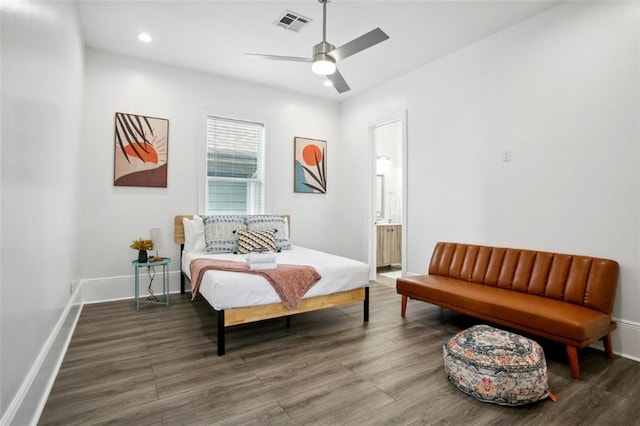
(388, 233)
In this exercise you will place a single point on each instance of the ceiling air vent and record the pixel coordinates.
(292, 21)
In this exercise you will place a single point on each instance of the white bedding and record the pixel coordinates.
(226, 290)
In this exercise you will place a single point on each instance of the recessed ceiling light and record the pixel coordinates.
(144, 37)
(328, 83)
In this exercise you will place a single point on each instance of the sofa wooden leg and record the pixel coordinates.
(608, 347)
(403, 310)
(572, 354)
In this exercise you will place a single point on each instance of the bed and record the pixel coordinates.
(240, 298)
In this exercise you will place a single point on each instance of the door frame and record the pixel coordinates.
(400, 116)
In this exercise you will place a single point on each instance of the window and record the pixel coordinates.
(235, 166)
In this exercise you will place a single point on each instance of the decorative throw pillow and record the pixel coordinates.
(250, 240)
(219, 233)
(277, 223)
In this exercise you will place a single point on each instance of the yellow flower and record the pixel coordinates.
(141, 244)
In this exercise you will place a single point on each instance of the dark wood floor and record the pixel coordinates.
(159, 367)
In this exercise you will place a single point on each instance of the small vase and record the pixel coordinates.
(142, 256)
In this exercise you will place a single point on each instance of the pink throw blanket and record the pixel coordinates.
(291, 282)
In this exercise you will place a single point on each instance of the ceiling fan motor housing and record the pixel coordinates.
(323, 48)
(323, 63)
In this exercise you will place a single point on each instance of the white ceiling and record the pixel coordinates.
(212, 36)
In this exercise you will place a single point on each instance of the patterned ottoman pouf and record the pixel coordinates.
(496, 366)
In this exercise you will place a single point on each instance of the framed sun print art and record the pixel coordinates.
(141, 148)
(310, 165)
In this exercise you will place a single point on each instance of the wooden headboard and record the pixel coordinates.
(178, 228)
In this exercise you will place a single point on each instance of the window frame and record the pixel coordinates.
(204, 178)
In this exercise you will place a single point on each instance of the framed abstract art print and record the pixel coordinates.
(309, 165)
(141, 148)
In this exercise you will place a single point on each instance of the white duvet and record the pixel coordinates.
(226, 290)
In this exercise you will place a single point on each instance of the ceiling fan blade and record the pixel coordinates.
(359, 44)
(281, 58)
(338, 82)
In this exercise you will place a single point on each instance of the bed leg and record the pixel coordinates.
(366, 304)
(181, 273)
(288, 321)
(221, 332)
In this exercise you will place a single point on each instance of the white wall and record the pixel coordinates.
(41, 97)
(113, 216)
(561, 92)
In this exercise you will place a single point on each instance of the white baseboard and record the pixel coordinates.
(27, 405)
(626, 339)
(96, 290)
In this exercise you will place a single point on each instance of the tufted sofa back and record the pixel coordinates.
(582, 280)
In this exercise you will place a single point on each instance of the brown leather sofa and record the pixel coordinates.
(561, 297)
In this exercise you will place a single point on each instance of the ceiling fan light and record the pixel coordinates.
(323, 65)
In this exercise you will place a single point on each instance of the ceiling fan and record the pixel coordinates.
(325, 55)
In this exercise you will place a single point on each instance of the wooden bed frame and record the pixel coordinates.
(243, 315)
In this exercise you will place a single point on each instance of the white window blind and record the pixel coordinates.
(235, 166)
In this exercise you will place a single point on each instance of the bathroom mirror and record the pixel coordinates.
(379, 198)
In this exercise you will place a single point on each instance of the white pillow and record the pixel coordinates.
(189, 234)
(198, 232)
(193, 234)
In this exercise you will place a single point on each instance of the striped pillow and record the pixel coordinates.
(276, 223)
(219, 233)
(250, 240)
